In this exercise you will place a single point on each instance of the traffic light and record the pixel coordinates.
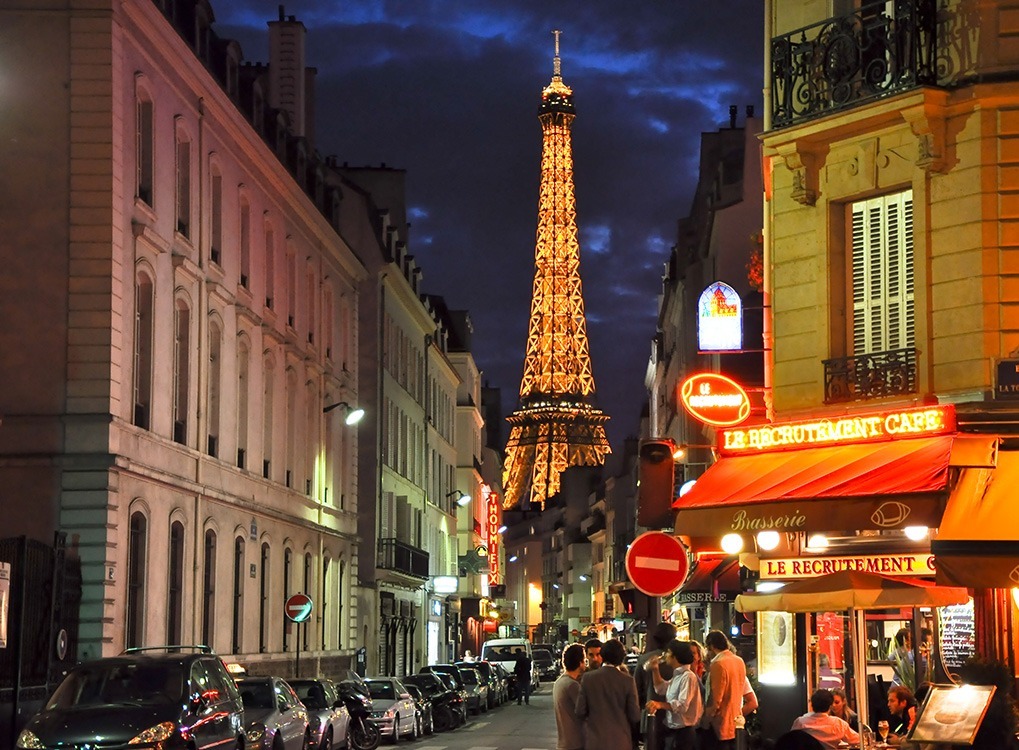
(657, 480)
(636, 604)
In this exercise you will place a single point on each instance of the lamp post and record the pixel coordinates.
(462, 498)
(354, 413)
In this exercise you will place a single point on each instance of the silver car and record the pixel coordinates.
(328, 718)
(274, 717)
(393, 709)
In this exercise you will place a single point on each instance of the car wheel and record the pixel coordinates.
(414, 729)
(396, 729)
(327, 741)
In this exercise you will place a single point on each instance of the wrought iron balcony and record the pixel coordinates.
(403, 558)
(869, 376)
(851, 59)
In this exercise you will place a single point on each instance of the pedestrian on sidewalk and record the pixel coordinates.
(565, 690)
(607, 702)
(522, 675)
(727, 676)
(683, 705)
(653, 724)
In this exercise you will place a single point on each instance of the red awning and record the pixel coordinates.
(884, 485)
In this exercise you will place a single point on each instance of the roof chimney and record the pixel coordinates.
(287, 79)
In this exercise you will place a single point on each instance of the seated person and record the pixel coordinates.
(840, 708)
(902, 706)
(821, 725)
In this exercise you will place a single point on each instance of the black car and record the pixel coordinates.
(448, 709)
(545, 663)
(172, 697)
(423, 708)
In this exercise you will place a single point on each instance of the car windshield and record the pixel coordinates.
(120, 683)
(382, 690)
(311, 692)
(470, 677)
(428, 687)
(447, 680)
(256, 694)
(543, 657)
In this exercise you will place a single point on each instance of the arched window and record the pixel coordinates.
(238, 595)
(263, 600)
(215, 385)
(175, 585)
(245, 249)
(267, 417)
(136, 564)
(243, 358)
(181, 369)
(209, 588)
(144, 141)
(288, 565)
(216, 217)
(144, 301)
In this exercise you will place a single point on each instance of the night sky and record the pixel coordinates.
(449, 91)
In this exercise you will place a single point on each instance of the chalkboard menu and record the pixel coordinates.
(956, 635)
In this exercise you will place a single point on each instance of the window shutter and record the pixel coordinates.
(883, 282)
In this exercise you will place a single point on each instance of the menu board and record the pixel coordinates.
(776, 639)
(956, 635)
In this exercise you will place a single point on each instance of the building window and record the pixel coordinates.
(175, 597)
(215, 362)
(270, 267)
(291, 289)
(311, 306)
(307, 588)
(183, 161)
(288, 566)
(267, 418)
(339, 605)
(216, 249)
(882, 267)
(238, 596)
(291, 426)
(136, 563)
(263, 601)
(327, 323)
(144, 300)
(325, 603)
(209, 588)
(245, 249)
(181, 370)
(243, 358)
(144, 150)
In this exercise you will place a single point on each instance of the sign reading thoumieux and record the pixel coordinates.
(887, 565)
(922, 421)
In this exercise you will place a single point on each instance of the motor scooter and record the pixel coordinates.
(362, 732)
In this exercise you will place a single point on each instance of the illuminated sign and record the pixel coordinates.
(886, 565)
(719, 319)
(492, 524)
(905, 423)
(445, 584)
(714, 399)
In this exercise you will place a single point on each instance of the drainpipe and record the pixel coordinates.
(767, 329)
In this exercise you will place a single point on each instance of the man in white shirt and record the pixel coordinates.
(683, 700)
(821, 725)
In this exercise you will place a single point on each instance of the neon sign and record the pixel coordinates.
(719, 319)
(809, 567)
(493, 522)
(862, 428)
(714, 399)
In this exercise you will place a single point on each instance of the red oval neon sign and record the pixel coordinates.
(715, 399)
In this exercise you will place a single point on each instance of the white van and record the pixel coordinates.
(504, 651)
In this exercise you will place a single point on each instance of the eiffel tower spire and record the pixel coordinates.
(556, 425)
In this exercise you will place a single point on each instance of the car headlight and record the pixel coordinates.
(390, 713)
(158, 733)
(255, 733)
(28, 739)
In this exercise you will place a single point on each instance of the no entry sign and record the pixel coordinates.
(298, 607)
(657, 563)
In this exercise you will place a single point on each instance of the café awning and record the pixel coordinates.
(881, 485)
(978, 540)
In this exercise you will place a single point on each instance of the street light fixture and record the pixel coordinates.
(354, 413)
(462, 498)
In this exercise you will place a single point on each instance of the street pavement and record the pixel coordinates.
(509, 727)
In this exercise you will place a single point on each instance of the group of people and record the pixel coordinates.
(831, 721)
(694, 697)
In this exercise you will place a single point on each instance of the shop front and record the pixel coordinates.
(801, 501)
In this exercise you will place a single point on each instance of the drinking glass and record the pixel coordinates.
(882, 730)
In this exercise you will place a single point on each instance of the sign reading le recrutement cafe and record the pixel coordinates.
(810, 567)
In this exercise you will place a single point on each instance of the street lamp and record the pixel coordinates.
(354, 413)
(462, 498)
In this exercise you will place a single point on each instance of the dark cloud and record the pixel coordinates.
(449, 89)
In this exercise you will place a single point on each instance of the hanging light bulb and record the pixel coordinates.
(817, 542)
(768, 540)
(732, 543)
(915, 533)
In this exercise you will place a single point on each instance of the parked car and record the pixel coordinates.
(450, 675)
(477, 690)
(393, 708)
(505, 681)
(274, 717)
(173, 698)
(546, 664)
(423, 704)
(328, 717)
(448, 708)
(488, 678)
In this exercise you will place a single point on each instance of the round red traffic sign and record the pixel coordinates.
(657, 563)
(298, 607)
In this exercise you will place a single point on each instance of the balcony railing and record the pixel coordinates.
(869, 376)
(847, 60)
(403, 558)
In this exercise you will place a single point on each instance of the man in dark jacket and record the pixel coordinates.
(653, 727)
(607, 702)
(522, 673)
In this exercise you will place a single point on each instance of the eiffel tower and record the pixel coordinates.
(556, 425)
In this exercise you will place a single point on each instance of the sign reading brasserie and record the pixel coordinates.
(862, 428)
(809, 567)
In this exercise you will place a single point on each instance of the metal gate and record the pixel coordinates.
(42, 628)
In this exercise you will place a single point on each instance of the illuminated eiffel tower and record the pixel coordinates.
(556, 425)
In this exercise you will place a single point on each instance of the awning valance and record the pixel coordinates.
(978, 540)
(883, 485)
